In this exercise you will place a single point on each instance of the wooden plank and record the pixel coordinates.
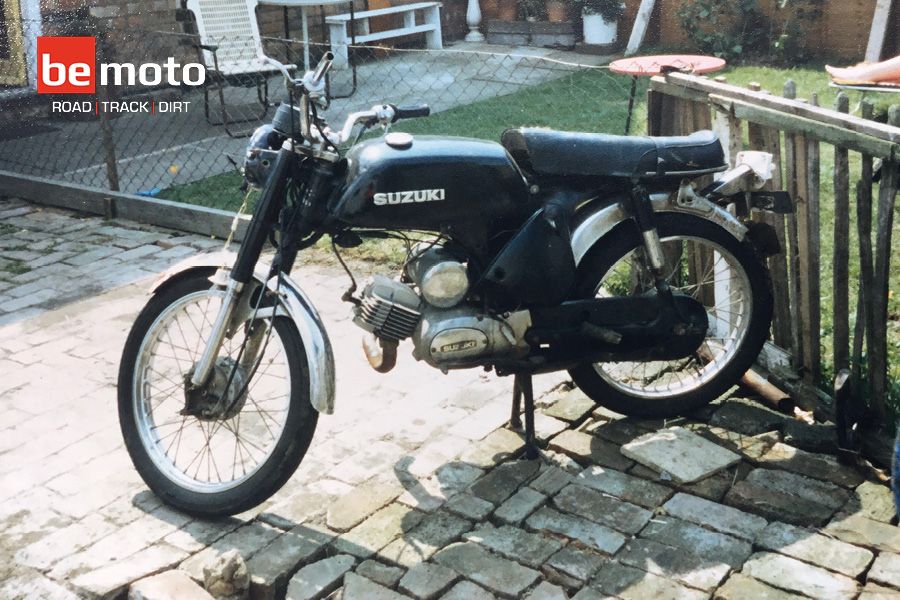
(364, 14)
(790, 123)
(841, 258)
(865, 322)
(801, 249)
(879, 30)
(768, 140)
(792, 182)
(811, 259)
(887, 194)
(174, 215)
(640, 27)
(681, 84)
(655, 115)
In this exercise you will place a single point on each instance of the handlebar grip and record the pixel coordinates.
(411, 111)
(322, 68)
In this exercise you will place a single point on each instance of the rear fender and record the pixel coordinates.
(595, 226)
(317, 347)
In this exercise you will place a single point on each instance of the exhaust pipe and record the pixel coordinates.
(381, 353)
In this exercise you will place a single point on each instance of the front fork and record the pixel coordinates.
(264, 218)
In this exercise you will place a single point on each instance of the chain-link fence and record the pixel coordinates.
(151, 132)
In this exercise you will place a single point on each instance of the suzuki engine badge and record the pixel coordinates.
(409, 197)
(398, 140)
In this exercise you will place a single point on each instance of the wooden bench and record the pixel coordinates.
(340, 37)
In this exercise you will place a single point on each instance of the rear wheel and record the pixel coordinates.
(705, 261)
(203, 457)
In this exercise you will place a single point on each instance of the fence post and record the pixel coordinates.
(791, 147)
(865, 316)
(768, 140)
(106, 132)
(887, 193)
(841, 259)
(809, 260)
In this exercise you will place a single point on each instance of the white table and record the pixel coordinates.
(303, 5)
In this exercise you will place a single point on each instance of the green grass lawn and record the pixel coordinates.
(597, 101)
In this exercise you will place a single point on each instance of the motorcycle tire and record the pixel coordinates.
(176, 488)
(746, 267)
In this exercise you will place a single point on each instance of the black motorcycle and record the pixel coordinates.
(548, 251)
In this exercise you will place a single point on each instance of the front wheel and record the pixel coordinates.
(702, 260)
(213, 458)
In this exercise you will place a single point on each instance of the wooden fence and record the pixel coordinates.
(799, 133)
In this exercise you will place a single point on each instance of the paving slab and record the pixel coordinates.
(742, 587)
(551, 480)
(718, 517)
(426, 581)
(793, 575)
(780, 495)
(814, 548)
(503, 577)
(696, 571)
(167, 586)
(685, 456)
(578, 563)
(886, 570)
(530, 549)
(320, 578)
(466, 590)
(871, 500)
(861, 531)
(420, 543)
(590, 449)
(360, 588)
(748, 418)
(629, 583)
(351, 509)
(503, 481)
(697, 540)
(572, 406)
(627, 487)
(607, 510)
(469, 507)
(377, 531)
(817, 466)
(518, 506)
(547, 591)
(380, 573)
(600, 537)
(271, 567)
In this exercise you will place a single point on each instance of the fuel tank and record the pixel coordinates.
(431, 183)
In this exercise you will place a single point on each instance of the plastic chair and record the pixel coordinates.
(228, 43)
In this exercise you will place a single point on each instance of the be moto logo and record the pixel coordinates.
(68, 65)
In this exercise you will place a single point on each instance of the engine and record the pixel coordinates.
(446, 332)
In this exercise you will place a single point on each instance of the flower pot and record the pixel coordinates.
(597, 30)
(507, 10)
(557, 11)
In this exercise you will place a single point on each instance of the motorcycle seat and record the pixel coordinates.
(548, 152)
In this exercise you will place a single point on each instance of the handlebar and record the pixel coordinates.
(411, 111)
(322, 68)
(312, 86)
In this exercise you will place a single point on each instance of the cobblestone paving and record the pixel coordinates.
(413, 489)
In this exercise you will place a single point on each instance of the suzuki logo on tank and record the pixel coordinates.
(68, 65)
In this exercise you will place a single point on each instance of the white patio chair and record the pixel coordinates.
(229, 45)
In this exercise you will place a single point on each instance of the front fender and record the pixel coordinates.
(598, 224)
(319, 356)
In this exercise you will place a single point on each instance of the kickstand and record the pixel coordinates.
(522, 387)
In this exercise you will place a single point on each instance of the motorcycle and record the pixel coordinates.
(547, 251)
